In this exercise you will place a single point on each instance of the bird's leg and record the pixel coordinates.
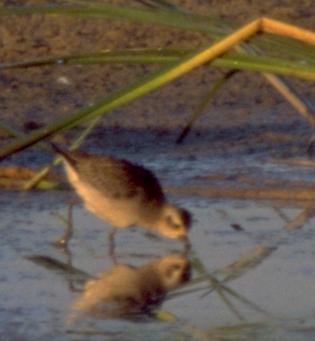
(63, 241)
(111, 242)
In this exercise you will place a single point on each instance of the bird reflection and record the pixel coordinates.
(127, 291)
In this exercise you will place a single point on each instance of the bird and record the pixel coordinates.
(127, 291)
(123, 193)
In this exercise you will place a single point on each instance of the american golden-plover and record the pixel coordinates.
(124, 194)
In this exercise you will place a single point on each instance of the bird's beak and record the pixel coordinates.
(187, 244)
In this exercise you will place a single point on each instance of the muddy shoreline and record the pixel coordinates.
(249, 136)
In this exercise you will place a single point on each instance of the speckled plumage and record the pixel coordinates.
(123, 179)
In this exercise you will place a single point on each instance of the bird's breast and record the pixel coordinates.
(119, 211)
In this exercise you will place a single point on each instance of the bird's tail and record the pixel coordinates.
(63, 152)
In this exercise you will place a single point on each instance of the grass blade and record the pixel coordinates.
(134, 91)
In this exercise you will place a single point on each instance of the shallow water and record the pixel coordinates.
(36, 301)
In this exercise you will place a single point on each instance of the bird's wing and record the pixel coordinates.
(118, 178)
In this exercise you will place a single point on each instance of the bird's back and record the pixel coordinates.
(115, 190)
(117, 178)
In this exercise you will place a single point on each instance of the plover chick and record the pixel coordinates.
(124, 194)
(125, 291)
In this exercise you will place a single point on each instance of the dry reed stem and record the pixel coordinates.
(280, 28)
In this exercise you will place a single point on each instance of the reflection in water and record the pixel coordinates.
(301, 219)
(125, 291)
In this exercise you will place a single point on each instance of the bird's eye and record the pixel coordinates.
(176, 267)
(172, 224)
(172, 269)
